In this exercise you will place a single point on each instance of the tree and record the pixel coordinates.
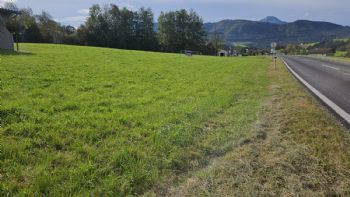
(69, 30)
(24, 25)
(291, 49)
(167, 31)
(50, 30)
(240, 49)
(209, 49)
(81, 35)
(14, 24)
(180, 30)
(96, 27)
(145, 30)
(217, 42)
(127, 27)
(119, 28)
(111, 26)
(114, 21)
(28, 27)
(196, 34)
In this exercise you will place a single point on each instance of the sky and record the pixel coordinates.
(74, 12)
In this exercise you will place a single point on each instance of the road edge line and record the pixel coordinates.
(343, 114)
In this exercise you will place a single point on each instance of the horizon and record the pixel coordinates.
(74, 12)
(259, 20)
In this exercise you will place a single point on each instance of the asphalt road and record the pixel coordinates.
(331, 78)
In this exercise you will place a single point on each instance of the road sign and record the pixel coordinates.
(273, 45)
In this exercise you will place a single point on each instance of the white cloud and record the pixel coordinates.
(72, 19)
(2, 2)
(84, 11)
(127, 5)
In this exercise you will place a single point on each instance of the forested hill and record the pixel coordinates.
(261, 34)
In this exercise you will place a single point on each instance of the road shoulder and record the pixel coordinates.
(328, 102)
(297, 148)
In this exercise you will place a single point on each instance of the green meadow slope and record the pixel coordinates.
(84, 120)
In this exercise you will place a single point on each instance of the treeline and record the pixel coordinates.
(119, 28)
(338, 47)
(41, 28)
(115, 27)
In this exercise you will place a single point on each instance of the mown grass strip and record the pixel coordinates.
(298, 149)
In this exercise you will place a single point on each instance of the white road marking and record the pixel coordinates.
(324, 65)
(326, 100)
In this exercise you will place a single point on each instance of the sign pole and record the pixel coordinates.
(273, 51)
(17, 42)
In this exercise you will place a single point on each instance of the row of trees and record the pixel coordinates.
(28, 27)
(342, 46)
(329, 47)
(118, 28)
(111, 26)
(122, 28)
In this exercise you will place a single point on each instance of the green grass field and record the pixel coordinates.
(95, 121)
(340, 54)
(337, 58)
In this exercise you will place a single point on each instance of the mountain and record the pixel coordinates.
(261, 34)
(273, 20)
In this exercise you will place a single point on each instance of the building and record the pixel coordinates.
(6, 38)
(223, 53)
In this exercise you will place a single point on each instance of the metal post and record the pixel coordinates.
(273, 51)
(17, 45)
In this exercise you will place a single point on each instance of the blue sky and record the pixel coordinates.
(74, 12)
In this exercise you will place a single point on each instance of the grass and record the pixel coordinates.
(342, 39)
(310, 44)
(337, 58)
(297, 149)
(241, 44)
(340, 54)
(95, 121)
